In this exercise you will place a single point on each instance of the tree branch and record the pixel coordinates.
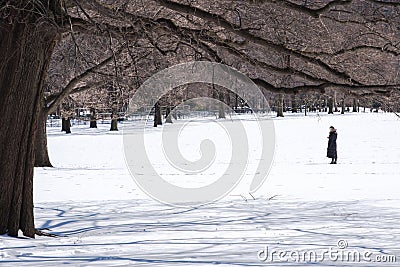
(222, 22)
(50, 107)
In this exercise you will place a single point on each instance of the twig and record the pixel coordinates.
(41, 233)
(272, 197)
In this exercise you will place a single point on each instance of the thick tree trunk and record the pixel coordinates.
(41, 151)
(25, 49)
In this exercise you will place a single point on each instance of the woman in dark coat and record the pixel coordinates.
(332, 151)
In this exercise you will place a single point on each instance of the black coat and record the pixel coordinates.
(332, 151)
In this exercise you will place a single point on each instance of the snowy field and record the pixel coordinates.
(305, 206)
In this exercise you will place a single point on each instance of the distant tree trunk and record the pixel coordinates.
(330, 105)
(114, 121)
(221, 109)
(280, 105)
(305, 108)
(41, 152)
(93, 119)
(335, 102)
(93, 124)
(228, 99)
(26, 45)
(355, 105)
(114, 125)
(319, 104)
(157, 115)
(113, 93)
(236, 102)
(63, 126)
(168, 116)
(300, 107)
(174, 115)
(294, 104)
(343, 105)
(283, 104)
(66, 125)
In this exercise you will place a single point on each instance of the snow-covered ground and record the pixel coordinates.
(305, 206)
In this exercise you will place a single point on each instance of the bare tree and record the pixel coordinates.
(349, 46)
